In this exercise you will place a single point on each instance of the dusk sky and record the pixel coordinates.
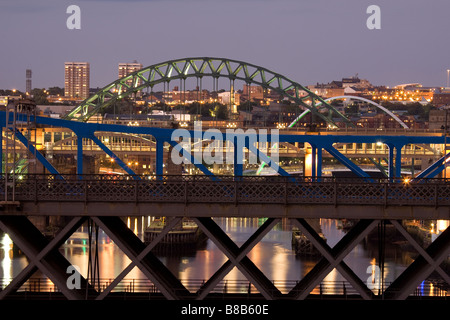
(307, 41)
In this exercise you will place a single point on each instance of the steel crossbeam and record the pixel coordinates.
(139, 257)
(421, 250)
(429, 260)
(237, 257)
(150, 265)
(33, 151)
(43, 255)
(113, 156)
(347, 162)
(333, 258)
(192, 159)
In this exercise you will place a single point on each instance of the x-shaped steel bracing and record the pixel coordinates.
(332, 258)
(44, 255)
(237, 256)
(166, 282)
(142, 257)
(428, 261)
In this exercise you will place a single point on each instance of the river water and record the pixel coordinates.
(273, 255)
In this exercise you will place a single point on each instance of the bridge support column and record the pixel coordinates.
(159, 158)
(238, 159)
(309, 166)
(319, 162)
(398, 162)
(391, 168)
(79, 155)
(313, 161)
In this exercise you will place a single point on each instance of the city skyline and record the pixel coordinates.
(307, 42)
(224, 155)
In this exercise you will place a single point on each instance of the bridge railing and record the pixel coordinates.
(230, 190)
(341, 288)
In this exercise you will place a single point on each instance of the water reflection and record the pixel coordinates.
(6, 256)
(273, 255)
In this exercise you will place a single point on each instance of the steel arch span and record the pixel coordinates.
(355, 98)
(198, 68)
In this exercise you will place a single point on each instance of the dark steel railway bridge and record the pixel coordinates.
(104, 200)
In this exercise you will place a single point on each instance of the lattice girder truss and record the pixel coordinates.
(44, 256)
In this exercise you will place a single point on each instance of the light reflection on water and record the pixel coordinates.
(273, 255)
